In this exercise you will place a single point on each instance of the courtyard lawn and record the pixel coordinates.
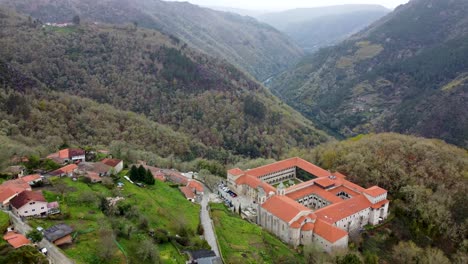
(244, 242)
(162, 205)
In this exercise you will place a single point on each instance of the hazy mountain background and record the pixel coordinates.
(143, 71)
(406, 73)
(255, 47)
(313, 28)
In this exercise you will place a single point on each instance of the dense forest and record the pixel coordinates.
(427, 182)
(207, 100)
(406, 73)
(255, 47)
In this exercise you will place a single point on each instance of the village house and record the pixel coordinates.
(15, 171)
(115, 164)
(188, 193)
(29, 203)
(98, 168)
(59, 234)
(32, 179)
(324, 210)
(68, 170)
(192, 190)
(16, 240)
(68, 155)
(10, 189)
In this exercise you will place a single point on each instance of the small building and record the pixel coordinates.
(16, 240)
(53, 208)
(6, 194)
(195, 186)
(68, 155)
(98, 168)
(59, 234)
(29, 203)
(68, 170)
(10, 189)
(116, 164)
(188, 193)
(15, 171)
(32, 179)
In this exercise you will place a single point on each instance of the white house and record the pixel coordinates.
(116, 164)
(29, 203)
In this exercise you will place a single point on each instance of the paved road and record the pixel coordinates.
(54, 254)
(208, 223)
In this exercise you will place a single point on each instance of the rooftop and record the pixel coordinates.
(375, 191)
(16, 240)
(57, 232)
(31, 178)
(192, 184)
(284, 207)
(289, 163)
(64, 170)
(26, 197)
(338, 211)
(187, 192)
(111, 162)
(328, 231)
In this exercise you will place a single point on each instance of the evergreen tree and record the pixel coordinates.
(141, 173)
(149, 179)
(134, 173)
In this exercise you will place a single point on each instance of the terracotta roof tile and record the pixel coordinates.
(16, 185)
(192, 184)
(65, 170)
(345, 189)
(6, 194)
(31, 178)
(236, 171)
(324, 182)
(288, 163)
(187, 192)
(284, 207)
(380, 204)
(254, 182)
(26, 197)
(328, 232)
(314, 189)
(338, 211)
(308, 227)
(111, 162)
(16, 240)
(375, 191)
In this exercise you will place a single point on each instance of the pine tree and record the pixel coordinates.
(134, 173)
(141, 173)
(149, 179)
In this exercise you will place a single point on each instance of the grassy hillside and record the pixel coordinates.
(157, 207)
(255, 47)
(404, 74)
(313, 28)
(203, 99)
(427, 182)
(248, 243)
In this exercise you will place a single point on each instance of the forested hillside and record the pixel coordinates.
(255, 47)
(427, 182)
(207, 101)
(407, 73)
(313, 28)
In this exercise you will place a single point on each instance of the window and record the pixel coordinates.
(33, 210)
(42, 207)
(25, 212)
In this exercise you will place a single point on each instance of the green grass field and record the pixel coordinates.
(244, 242)
(163, 206)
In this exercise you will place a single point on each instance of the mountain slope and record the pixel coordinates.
(313, 28)
(406, 73)
(255, 47)
(150, 73)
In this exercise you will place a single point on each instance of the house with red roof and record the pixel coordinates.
(67, 170)
(10, 189)
(29, 203)
(32, 179)
(68, 155)
(323, 210)
(115, 164)
(188, 193)
(16, 240)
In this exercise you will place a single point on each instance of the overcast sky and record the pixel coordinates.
(289, 4)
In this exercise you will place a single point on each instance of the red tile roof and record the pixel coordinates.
(375, 191)
(314, 189)
(308, 227)
(26, 197)
(6, 194)
(345, 189)
(16, 185)
(65, 170)
(94, 176)
(187, 192)
(31, 178)
(284, 207)
(325, 182)
(111, 162)
(380, 204)
(288, 163)
(338, 211)
(254, 183)
(328, 231)
(192, 184)
(16, 240)
(236, 171)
